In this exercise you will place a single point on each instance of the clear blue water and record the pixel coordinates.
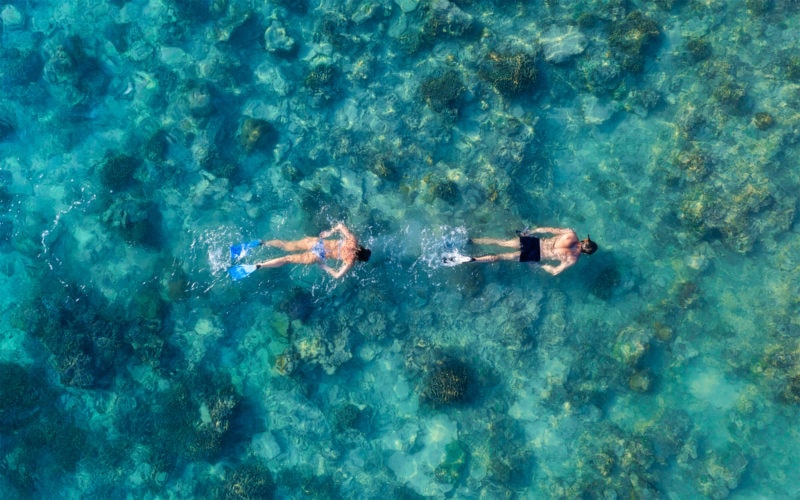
(139, 140)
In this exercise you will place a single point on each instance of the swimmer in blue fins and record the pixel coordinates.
(310, 250)
(563, 247)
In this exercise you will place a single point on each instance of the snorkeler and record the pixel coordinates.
(319, 249)
(564, 248)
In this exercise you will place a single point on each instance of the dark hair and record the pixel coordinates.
(588, 246)
(363, 254)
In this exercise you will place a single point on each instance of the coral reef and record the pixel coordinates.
(321, 81)
(730, 94)
(611, 463)
(278, 41)
(442, 91)
(321, 346)
(733, 211)
(510, 73)
(6, 179)
(440, 21)
(157, 146)
(790, 66)
(631, 37)
(791, 389)
(21, 394)
(335, 29)
(758, 7)
(720, 472)
(309, 482)
(346, 416)
(600, 74)
(698, 49)
(74, 75)
(631, 344)
(198, 99)
(137, 220)
(249, 481)
(90, 337)
(454, 465)
(83, 342)
(641, 381)
(7, 128)
(694, 165)
(255, 134)
(19, 68)
(606, 282)
(298, 304)
(117, 170)
(763, 120)
(193, 421)
(510, 461)
(448, 384)
(54, 442)
(446, 190)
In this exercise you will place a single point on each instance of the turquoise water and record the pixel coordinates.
(140, 140)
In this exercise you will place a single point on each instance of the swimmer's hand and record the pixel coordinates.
(338, 227)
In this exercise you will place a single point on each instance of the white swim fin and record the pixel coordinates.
(454, 258)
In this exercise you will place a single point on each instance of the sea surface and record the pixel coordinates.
(140, 140)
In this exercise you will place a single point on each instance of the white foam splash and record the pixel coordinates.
(438, 243)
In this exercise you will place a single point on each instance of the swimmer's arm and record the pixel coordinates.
(337, 273)
(345, 232)
(554, 269)
(551, 230)
(339, 227)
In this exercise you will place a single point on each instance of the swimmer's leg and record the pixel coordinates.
(293, 246)
(498, 257)
(295, 258)
(496, 241)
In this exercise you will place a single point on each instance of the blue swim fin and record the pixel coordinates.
(240, 250)
(239, 272)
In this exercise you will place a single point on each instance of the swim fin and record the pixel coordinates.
(240, 250)
(455, 258)
(239, 272)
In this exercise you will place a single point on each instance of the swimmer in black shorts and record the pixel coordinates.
(563, 247)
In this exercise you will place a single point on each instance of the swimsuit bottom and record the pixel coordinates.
(529, 249)
(319, 249)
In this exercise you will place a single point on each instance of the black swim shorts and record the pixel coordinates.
(529, 249)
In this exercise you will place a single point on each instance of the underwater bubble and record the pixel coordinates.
(6, 230)
(6, 178)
